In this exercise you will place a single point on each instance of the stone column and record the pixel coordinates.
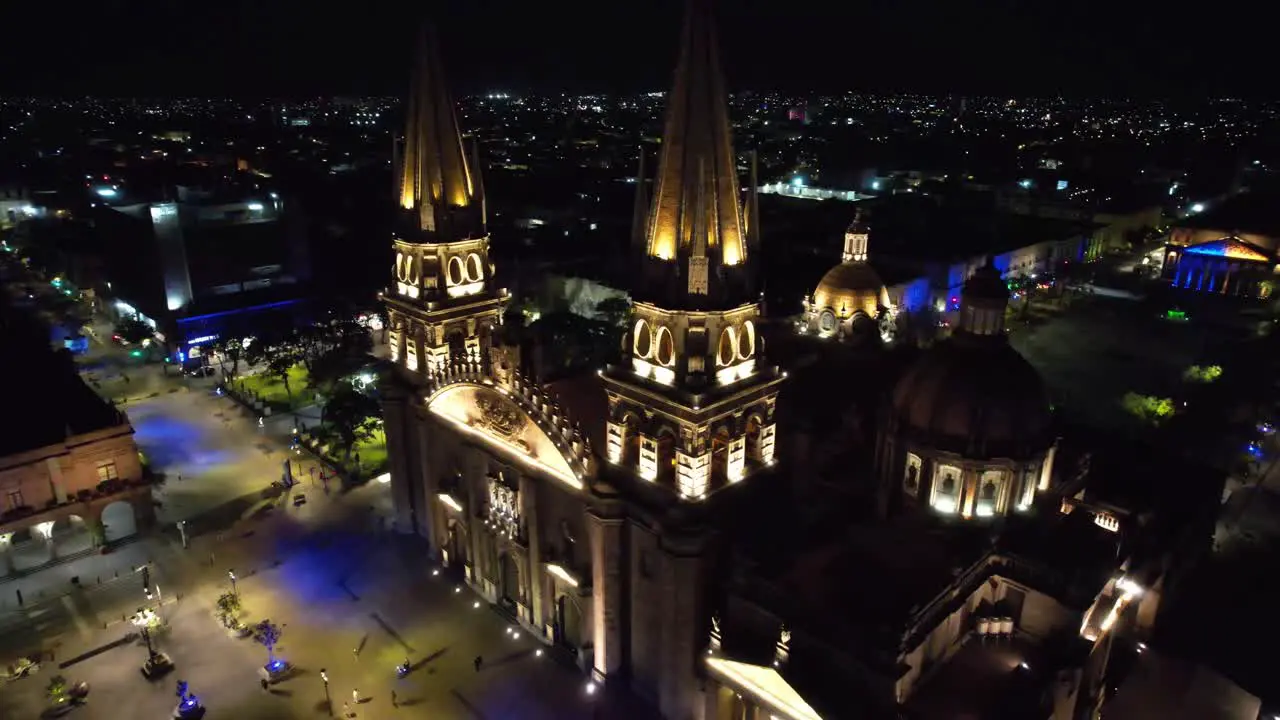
(473, 471)
(533, 567)
(399, 451)
(604, 532)
(710, 700)
(426, 467)
(681, 600)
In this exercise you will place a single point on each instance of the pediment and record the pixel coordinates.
(499, 421)
(1233, 248)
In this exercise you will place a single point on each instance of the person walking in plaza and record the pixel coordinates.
(355, 696)
(394, 702)
(478, 662)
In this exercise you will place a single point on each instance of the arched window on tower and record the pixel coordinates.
(989, 493)
(946, 489)
(911, 476)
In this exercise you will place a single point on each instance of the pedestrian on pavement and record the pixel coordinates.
(264, 683)
(394, 702)
(355, 696)
(478, 662)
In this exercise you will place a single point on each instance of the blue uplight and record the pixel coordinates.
(275, 665)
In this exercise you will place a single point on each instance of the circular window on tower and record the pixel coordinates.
(827, 321)
(747, 340)
(456, 274)
(666, 347)
(475, 269)
(642, 344)
(726, 353)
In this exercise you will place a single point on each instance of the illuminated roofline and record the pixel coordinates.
(728, 669)
(695, 314)
(514, 451)
(570, 479)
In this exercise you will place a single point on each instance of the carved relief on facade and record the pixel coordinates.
(501, 417)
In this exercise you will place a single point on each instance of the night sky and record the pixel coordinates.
(295, 48)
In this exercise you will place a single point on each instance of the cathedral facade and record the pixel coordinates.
(600, 548)
(600, 512)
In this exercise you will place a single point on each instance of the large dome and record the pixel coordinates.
(977, 397)
(850, 287)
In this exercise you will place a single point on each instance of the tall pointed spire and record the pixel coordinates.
(437, 185)
(696, 190)
(640, 212)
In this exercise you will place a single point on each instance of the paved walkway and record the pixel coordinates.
(350, 599)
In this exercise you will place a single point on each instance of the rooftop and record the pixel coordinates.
(45, 399)
(1248, 212)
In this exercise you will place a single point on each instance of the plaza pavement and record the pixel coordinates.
(335, 582)
(325, 571)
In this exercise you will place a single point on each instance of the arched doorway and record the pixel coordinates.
(568, 622)
(508, 581)
(457, 345)
(118, 521)
(456, 549)
(71, 535)
(719, 457)
(754, 426)
(666, 456)
(29, 547)
(630, 440)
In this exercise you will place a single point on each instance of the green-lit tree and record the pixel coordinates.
(352, 415)
(56, 690)
(228, 606)
(1151, 410)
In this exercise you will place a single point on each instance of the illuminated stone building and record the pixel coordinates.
(968, 429)
(1233, 249)
(593, 552)
(642, 517)
(851, 297)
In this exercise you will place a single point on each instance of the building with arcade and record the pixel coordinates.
(1232, 249)
(648, 518)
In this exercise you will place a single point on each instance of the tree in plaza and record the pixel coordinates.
(278, 366)
(56, 690)
(352, 415)
(267, 634)
(229, 349)
(614, 310)
(1151, 410)
(228, 606)
(133, 330)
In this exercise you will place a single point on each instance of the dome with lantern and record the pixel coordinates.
(850, 295)
(969, 426)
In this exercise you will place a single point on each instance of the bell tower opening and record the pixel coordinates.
(693, 355)
(442, 292)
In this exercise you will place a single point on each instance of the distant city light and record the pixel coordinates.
(1197, 208)
(106, 192)
(797, 181)
(255, 206)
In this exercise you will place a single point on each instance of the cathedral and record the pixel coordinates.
(647, 518)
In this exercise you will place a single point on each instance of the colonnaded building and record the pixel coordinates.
(648, 520)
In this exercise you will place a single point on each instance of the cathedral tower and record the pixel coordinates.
(442, 304)
(692, 405)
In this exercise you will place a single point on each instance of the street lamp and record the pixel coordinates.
(232, 574)
(327, 702)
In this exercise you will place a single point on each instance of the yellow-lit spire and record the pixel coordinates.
(696, 188)
(436, 181)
